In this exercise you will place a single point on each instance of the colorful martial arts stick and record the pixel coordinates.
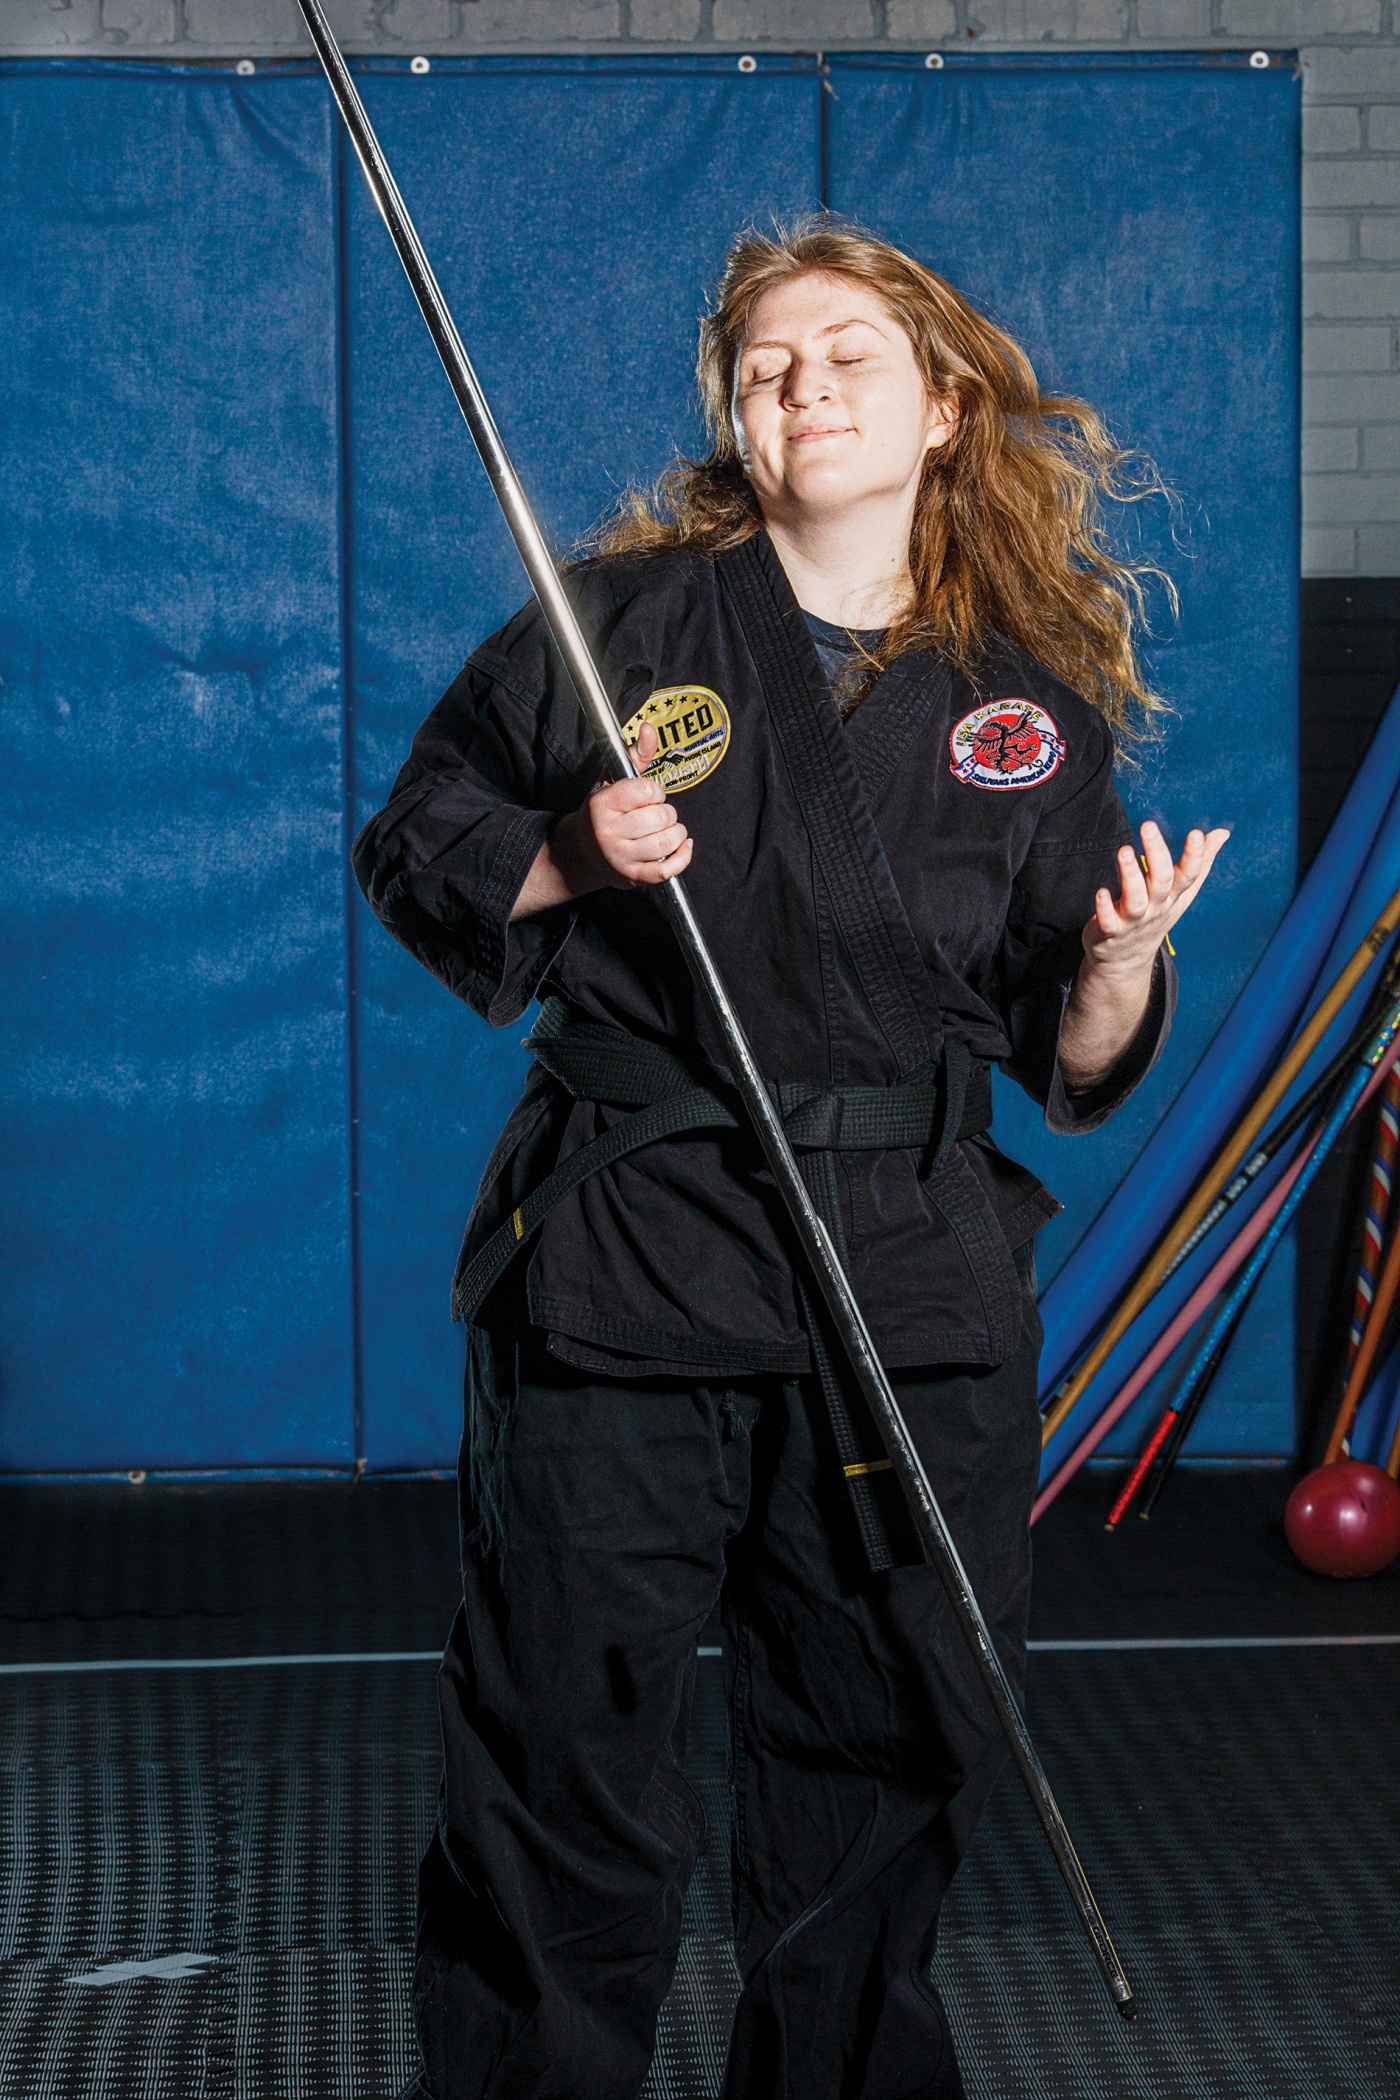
(1299, 1114)
(815, 1241)
(1368, 1266)
(1202, 1297)
(1392, 1464)
(1377, 1209)
(1223, 1324)
(1172, 1449)
(1222, 1167)
(1248, 1174)
(1378, 1313)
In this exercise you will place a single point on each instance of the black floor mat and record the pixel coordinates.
(247, 1837)
(257, 1829)
(214, 1569)
(263, 1825)
(1236, 1814)
(1212, 1561)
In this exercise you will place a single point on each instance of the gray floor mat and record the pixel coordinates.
(252, 1833)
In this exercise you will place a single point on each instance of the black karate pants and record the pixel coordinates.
(864, 1748)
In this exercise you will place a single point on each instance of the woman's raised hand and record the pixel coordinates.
(1125, 932)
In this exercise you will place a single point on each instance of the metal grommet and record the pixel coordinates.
(245, 68)
(419, 65)
(934, 61)
(137, 1474)
(747, 64)
(1259, 59)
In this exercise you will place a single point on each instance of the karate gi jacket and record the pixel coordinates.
(923, 869)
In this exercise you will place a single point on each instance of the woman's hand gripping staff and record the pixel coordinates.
(1114, 981)
(626, 833)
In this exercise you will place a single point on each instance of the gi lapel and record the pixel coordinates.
(861, 890)
(865, 906)
(892, 714)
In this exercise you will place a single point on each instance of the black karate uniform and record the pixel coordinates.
(896, 903)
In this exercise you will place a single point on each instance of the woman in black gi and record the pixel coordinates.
(877, 643)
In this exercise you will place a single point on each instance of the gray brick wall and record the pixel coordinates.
(1350, 53)
(1351, 307)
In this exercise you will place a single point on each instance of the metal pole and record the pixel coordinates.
(816, 1242)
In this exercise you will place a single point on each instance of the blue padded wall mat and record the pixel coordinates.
(1103, 212)
(256, 519)
(576, 276)
(174, 1285)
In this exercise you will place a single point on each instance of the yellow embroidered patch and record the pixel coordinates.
(692, 731)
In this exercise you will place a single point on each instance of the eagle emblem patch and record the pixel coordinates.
(1006, 744)
(692, 732)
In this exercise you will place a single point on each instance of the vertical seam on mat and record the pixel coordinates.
(221, 2031)
(344, 551)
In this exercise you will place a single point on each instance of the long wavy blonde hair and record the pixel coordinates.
(1007, 535)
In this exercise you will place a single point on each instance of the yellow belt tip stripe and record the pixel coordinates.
(519, 1223)
(868, 1465)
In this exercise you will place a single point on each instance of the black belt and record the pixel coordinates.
(930, 1110)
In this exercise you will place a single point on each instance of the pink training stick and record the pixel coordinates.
(1210, 1285)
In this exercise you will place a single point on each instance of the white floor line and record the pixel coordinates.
(432, 1655)
(1223, 1640)
(218, 1662)
(234, 1662)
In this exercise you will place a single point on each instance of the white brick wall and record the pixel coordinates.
(1350, 53)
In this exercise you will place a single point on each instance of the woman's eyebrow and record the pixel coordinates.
(855, 321)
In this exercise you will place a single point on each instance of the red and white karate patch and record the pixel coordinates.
(1006, 744)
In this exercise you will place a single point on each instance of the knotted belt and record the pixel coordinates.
(929, 1112)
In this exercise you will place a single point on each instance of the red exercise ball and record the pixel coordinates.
(1344, 1519)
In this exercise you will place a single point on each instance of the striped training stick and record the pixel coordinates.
(1377, 1206)
(1358, 1378)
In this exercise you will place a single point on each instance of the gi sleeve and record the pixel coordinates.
(1073, 854)
(499, 759)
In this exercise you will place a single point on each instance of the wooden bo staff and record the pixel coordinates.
(1210, 1286)
(1299, 1114)
(1225, 1267)
(1200, 1301)
(1221, 1167)
(1223, 1326)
